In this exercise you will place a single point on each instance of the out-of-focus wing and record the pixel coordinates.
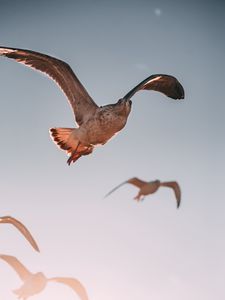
(26, 233)
(163, 83)
(115, 188)
(73, 284)
(22, 272)
(175, 186)
(135, 181)
(82, 104)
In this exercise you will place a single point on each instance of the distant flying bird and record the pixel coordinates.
(36, 283)
(147, 188)
(97, 124)
(25, 232)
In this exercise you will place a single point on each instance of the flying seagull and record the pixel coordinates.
(147, 188)
(97, 124)
(21, 228)
(34, 283)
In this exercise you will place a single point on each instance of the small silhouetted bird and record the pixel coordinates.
(146, 188)
(25, 232)
(34, 283)
(96, 124)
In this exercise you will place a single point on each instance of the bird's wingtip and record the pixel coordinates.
(106, 195)
(37, 249)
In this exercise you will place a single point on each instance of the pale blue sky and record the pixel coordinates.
(119, 249)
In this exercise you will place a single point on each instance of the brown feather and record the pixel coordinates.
(18, 267)
(62, 74)
(163, 83)
(22, 228)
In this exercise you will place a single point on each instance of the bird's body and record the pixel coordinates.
(21, 227)
(34, 283)
(147, 188)
(97, 130)
(96, 124)
(103, 125)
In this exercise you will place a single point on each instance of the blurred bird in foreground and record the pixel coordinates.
(21, 228)
(35, 283)
(97, 124)
(147, 188)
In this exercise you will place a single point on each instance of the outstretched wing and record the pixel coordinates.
(165, 84)
(73, 284)
(135, 181)
(175, 186)
(17, 266)
(26, 233)
(82, 104)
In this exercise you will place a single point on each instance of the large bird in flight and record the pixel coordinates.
(34, 283)
(97, 124)
(147, 188)
(25, 232)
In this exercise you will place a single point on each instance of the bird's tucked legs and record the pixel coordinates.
(76, 148)
(85, 150)
(73, 154)
(139, 197)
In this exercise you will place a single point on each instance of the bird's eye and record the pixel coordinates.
(119, 101)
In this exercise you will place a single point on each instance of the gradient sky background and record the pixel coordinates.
(117, 248)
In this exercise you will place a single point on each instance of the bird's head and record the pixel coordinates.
(124, 106)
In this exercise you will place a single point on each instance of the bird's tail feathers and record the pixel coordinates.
(61, 137)
(66, 141)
